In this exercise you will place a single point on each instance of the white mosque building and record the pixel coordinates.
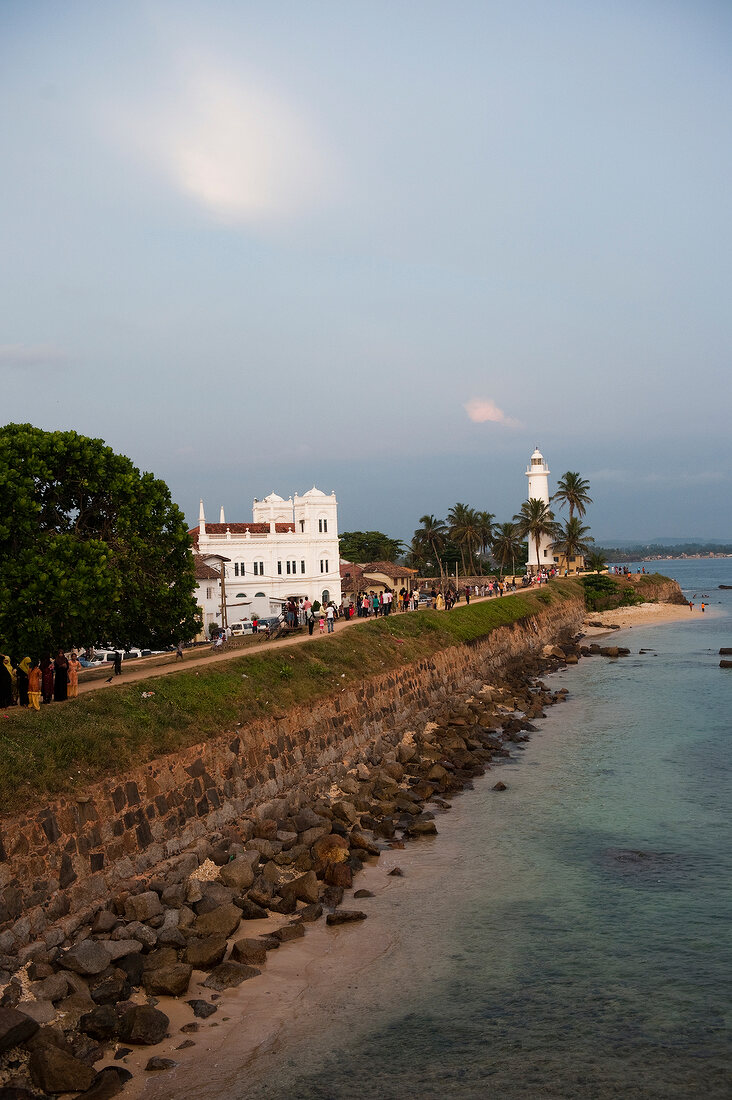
(289, 551)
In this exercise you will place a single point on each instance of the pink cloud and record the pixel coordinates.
(480, 410)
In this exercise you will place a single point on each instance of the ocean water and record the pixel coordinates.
(571, 936)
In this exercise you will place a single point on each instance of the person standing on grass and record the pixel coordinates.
(21, 675)
(118, 662)
(34, 687)
(179, 652)
(330, 617)
(47, 678)
(74, 666)
(61, 677)
(310, 619)
(6, 683)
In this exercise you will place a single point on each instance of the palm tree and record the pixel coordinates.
(485, 522)
(534, 522)
(596, 561)
(458, 519)
(574, 491)
(432, 533)
(505, 545)
(572, 540)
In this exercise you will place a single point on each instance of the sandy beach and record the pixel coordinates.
(646, 614)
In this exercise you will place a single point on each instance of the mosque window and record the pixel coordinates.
(302, 566)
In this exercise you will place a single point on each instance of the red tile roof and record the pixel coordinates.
(205, 572)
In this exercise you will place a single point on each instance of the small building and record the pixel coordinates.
(375, 577)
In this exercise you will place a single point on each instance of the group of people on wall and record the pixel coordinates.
(28, 683)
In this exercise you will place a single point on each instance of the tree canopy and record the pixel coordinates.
(91, 550)
(366, 546)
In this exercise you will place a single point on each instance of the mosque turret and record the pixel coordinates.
(201, 520)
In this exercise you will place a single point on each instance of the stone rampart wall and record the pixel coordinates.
(60, 860)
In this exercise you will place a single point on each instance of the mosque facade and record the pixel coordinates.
(288, 551)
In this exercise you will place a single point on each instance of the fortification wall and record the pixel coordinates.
(59, 861)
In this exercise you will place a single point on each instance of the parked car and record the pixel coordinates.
(239, 629)
(270, 622)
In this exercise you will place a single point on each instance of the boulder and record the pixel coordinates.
(227, 975)
(143, 1025)
(338, 874)
(170, 980)
(143, 933)
(363, 894)
(203, 952)
(310, 913)
(421, 828)
(104, 921)
(88, 957)
(143, 907)
(500, 786)
(53, 1070)
(250, 910)
(119, 948)
(238, 875)
(202, 1009)
(345, 811)
(305, 888)
(309, 836)
(111, 989)
(359, 840)
(15, 1028)
(101, 1023)
(157, 1064)
(306, 818)
(331, 849)
(345, 916)
(289, 932)
(249, 952)
(223, 921)
(109, 1082)
(53, 988)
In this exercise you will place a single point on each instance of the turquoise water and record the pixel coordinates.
(571, 936)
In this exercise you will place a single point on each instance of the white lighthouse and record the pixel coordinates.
(538, 474)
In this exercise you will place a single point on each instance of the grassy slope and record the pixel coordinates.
(66, 746)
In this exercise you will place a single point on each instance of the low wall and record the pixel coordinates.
(60, 860)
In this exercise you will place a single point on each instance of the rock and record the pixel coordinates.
(499, 786)
(250, 910)
(332, 896)
(396, 872)
(305, 888)
(119, 948)
(43, 1012)
(345, 811)
(609, 651)
(53, 988)
(108, 991)
(725, 664)
(109, 1082)
(53, 1070)
(306, 819)
(202, 1009)
(230, 974)
(143, 1025)
(88, 957)
(101, 1023)
(132, 966)
(205, 951)
(171, 980)
(104, 921)
(141, 907)
(268, 849)
(309, 836)
(359, 840)
(421, 828)
(339, 874)
(249, 952)
(186, 1044)
(289, 932)
(15, 1028)
(345, 916)
(331, 849)
(223, 921)
(238, 875)
(363, 894)
(145, 935)
(157, 1064)
(310, 913)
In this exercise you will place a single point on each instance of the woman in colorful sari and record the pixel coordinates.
(74, 666)
(46, 678)
(22, 678)
(61, 677)
(6, 682)
(34, 687)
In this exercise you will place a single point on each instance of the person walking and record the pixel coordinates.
(60, 677)
(330, 617)
(34, 686)
(321, 623)
(179, 652)
(74, 666)
(310, 620)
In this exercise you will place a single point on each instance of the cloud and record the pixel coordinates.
(480, 410)
(637, 478)
(238, 149)
(22, 356)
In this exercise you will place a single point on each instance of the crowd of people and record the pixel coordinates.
(28, 683)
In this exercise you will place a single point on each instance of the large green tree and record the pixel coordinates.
(574, 491)
(432, 535)
(91, 550)
(367, 546)
(534, 522)
(506, 546)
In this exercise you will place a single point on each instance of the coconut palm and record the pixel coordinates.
(432, 533)
(572, 540)
(574, 491)
(534, 522)
(485, 522)
(505, 545)
(460, 520)
(596, 561)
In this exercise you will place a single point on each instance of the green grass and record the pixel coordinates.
(67, 746)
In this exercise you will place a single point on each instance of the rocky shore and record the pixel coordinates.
(154, 967)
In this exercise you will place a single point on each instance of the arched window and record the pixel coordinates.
(257, 595)
(241, 595)
(325, 599)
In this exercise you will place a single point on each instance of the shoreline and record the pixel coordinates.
(646, 614)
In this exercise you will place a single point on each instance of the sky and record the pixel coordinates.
(384, 248)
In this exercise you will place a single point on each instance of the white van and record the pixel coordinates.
(239, 629)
